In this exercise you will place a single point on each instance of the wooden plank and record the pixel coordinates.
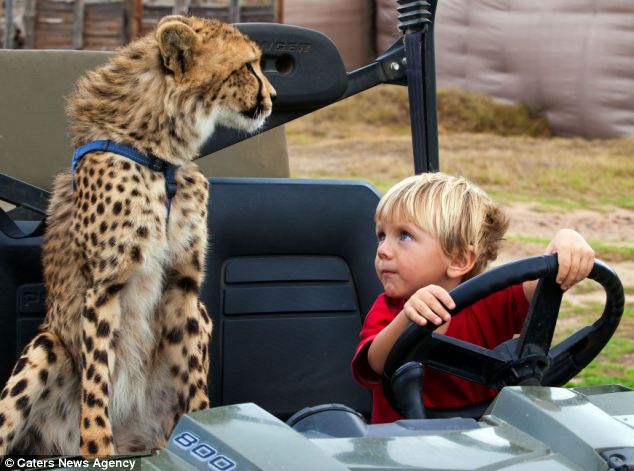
(29, 23)
(234, 11)
(133, 19)
(258, 14)
(55, 7)
(46, 9)
(210, 3)
(64, 29)
(213, 12)
(7, 40)
(2, 22)
(53, 25)
(105, 28)
(78, 25)
(279, 11)
(152, 14)
(181, 7)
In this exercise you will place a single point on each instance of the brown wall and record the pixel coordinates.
(348, 23)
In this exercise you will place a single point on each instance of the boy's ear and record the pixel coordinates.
(461, 264)
(178, 44)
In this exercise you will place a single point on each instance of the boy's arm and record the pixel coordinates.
(426, 305)
(575, 258)
(383, 342)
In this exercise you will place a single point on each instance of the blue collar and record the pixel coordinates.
(150, 161)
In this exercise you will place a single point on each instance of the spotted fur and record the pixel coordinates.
(123, 351)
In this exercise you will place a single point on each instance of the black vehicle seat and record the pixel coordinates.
(290, 277)
(22, 296)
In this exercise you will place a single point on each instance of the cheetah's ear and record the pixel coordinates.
(178, 44)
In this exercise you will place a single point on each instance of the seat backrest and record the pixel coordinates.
(34, 143)
(290, 276)
(22, 296)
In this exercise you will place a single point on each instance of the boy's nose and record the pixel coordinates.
(383, 250)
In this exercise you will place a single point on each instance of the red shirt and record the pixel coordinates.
(487, 323)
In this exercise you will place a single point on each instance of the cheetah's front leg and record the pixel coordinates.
(100, 321)
(186, 335)
(43, 362)
(186, 324)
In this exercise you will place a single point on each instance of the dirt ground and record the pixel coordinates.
(614, 227)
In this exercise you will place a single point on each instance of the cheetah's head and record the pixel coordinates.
(221, 67)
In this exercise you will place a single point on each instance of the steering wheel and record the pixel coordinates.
(526, 360)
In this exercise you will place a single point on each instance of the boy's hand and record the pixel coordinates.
(428, 305)
(575, 257)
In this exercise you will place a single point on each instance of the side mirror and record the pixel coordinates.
(303, 65)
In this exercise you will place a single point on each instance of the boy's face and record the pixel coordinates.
(408, 259)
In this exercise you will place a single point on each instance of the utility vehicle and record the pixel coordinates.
(289, 279)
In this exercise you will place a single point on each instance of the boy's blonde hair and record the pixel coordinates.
(454, 211)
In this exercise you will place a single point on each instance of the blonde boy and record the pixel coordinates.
(433, 232)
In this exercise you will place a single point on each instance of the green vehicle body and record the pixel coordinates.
(526, 428)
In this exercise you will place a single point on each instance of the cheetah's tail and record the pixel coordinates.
(27, 384)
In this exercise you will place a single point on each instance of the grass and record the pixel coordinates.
(511, 157)
(606, 252)
(386, 108)
(614, 363)
(510, 153)
(462, 111)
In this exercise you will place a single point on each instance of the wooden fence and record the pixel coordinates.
(108, 24)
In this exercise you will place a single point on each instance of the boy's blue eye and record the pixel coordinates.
(380, 237)
(406, 236)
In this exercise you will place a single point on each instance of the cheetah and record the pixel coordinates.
(123, 350)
